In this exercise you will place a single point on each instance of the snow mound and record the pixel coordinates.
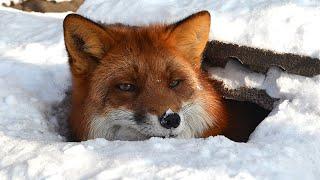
(34, 77)
(290, 26)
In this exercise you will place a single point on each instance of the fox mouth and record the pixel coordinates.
(169, 136)
(160, 135)
(133, 134)
(122, 124)
(151, 127)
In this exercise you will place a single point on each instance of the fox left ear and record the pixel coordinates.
(190, 35)
(86, 43)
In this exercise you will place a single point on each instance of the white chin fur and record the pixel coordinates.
(119, 124)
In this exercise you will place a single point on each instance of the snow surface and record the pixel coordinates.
(7, 2)
(34, 76)
(280, 25)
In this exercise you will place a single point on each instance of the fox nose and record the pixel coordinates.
(170, 120)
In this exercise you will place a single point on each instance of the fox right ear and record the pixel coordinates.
(191, 35)
(86, 43)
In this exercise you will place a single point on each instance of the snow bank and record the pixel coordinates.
(33, 72)
(283, 25)
(34, 76)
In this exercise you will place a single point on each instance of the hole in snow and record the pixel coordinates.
(245, 117)
(59, 114)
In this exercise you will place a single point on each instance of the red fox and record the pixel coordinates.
(133, 83)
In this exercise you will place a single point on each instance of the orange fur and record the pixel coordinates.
(149, 57)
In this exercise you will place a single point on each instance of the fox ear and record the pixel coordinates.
(191, 34)
(86, 43)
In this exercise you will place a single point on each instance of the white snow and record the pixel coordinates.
(234, 76)
(280, 25)
(7, 2)
(34, 75)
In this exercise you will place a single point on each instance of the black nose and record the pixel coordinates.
(170, 121)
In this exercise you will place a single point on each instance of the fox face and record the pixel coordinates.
(133, 83)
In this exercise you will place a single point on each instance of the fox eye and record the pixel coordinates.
(174, 83)
(126, 87)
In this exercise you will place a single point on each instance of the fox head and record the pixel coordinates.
(133, 83)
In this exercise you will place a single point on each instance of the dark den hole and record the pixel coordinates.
(246, 116)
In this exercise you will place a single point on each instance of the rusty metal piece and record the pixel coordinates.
(260, 60)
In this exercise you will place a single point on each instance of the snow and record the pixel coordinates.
(34, 76)
(7, 2)
(234, 76)
(279, 25)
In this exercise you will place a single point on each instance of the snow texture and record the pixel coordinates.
(280, 25)
(7, 2)
(34, 76)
